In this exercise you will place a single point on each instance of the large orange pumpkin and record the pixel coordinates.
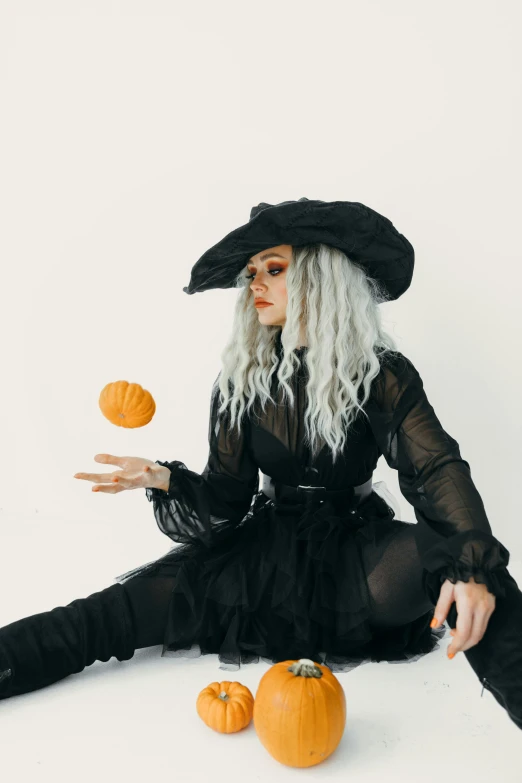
(225, 706)
(127, 404)
(299, 712)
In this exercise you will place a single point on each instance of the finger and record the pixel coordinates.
(480, 623)
(110, 489)
(446, 598)
(124, 481)
(464, 626)
(487, 615)
(100, 478)
(108, 458)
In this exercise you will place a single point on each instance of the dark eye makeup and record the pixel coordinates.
(249, 277)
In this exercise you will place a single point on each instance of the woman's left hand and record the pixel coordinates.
(475, 605)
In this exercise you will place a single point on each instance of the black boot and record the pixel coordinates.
(44, 648)
(497, 658)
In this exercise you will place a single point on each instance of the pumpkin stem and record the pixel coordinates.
(223, 696)
(304, 667)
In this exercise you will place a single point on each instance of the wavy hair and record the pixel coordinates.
(338, 303)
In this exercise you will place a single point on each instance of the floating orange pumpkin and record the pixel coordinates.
(225, 706)
(127, 404)
(299, 712)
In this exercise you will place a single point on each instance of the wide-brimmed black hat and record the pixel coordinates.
(365, 236)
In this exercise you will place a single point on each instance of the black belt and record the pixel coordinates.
(285, 493)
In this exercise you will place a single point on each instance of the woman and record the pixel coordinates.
(316, 563)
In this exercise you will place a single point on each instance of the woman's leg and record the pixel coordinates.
(149, 600)
(41, 649)
(394, 575)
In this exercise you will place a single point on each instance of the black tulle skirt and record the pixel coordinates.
(289, 582)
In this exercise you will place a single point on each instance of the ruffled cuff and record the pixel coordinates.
(471, 554)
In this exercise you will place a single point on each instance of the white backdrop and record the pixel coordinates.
(133, 136)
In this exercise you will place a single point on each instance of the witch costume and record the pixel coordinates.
(312, 560)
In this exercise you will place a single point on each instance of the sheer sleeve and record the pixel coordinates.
(453, 534)
(205, 507)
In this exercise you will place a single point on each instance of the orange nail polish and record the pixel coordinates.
(434, 623)
(451, 655)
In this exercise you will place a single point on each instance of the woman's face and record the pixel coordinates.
(266, 272)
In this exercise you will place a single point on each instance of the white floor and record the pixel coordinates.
(137, 721)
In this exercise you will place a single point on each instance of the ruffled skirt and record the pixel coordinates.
(288, 582)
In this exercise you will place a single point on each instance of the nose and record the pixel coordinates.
(256, 284)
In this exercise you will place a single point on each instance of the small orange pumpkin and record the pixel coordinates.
(300, 712)
(127, 404)
(225, 706)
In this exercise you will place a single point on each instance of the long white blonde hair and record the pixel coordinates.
(338, 303)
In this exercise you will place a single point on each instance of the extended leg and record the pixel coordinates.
(149, 599)
(41, 649)
(44, 648)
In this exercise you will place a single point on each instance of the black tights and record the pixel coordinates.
(394, 580)
(149, 598)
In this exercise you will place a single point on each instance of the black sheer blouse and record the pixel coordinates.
(453, 534)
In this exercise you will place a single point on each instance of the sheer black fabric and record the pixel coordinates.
(203, 508)
(250, 578)
(454, 536)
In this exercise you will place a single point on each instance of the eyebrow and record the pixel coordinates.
(267, 255)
